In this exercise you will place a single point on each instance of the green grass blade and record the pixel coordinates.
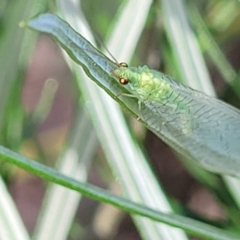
(11, 49)
(60, 204)
(11, 112)
(124, 156)
(122, 46)
(174, 10)
(12, 227)
(186, 49)
(50, 174)
(210, 46)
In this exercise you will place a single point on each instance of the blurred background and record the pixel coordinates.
(41, 104)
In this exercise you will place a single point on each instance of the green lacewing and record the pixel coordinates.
(202, 128)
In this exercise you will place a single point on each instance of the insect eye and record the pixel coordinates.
(123, 81)
(123, 64)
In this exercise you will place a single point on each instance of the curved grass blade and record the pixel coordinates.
(181, 29)
(200, 127)
(60, 204)
(190, 225)
(128, 163)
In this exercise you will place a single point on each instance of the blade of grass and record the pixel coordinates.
(11, 42)
(10, 48)
(191, 64)
(60, 204)
(210, 46)
(134, 176)
(50, 174)
(177, 27)
(12, 227)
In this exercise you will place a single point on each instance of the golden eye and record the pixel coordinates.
(122, 64)
(123, 81)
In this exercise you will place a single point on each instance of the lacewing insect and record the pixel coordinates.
(200, 127)
(149, 85)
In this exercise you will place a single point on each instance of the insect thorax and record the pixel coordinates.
(145, 83)
(149, 85)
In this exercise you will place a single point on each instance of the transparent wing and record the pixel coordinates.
(201, 127)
